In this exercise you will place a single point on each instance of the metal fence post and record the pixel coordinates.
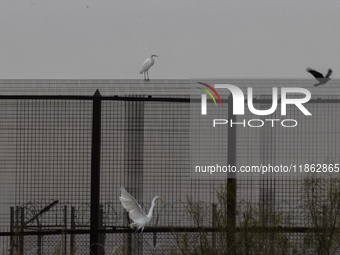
(65, 226)
(72, 228)
(95, 172)
(39, 250)
(21, 236)
(134, 113)
(11, 244)
(214, 211)
(101, 239)
(268, 185)
(231, 181)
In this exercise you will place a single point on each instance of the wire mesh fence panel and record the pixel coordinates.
(8, 131)
(45, 176)
(53, 150)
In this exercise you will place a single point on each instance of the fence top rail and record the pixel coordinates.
(103, 98)
(151, 98)
(162, 230)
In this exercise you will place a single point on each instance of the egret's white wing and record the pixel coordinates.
(147, 64)
(130, 204)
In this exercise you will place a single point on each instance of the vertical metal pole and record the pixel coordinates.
(12, 230)
(154, 239)
(129, 243)
(95, 172)
(39, 251)
(65, 226)
(101, 235)
(268, 185)
(214, 210)
(72, 227)
(231, 181)
(18, 228)
(134, 162)
(21, 231)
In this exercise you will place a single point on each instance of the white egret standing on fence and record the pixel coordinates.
(140, 219)
(146, 66)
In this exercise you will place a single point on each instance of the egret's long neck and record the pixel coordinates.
(151, 208)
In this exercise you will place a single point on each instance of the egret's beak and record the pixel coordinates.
(155, 56)
(161, 199)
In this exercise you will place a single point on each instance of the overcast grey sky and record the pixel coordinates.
(104, 39)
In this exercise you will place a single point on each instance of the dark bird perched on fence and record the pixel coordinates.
(319, 76)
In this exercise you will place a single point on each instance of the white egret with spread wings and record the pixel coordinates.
(136, 213)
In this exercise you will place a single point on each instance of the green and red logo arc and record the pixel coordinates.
(209, 93)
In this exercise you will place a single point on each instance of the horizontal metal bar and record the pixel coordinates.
(269, 101)
(30, 97)
(113, 98)
(149, 98)
(162, 230)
